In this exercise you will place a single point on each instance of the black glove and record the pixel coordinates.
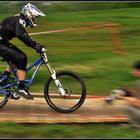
(38, 48)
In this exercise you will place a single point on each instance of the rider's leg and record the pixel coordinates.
(21, 77)
(11, 53)
(7, 71)
(21, 73)
(6, 75)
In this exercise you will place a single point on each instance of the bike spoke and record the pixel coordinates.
(73, 98)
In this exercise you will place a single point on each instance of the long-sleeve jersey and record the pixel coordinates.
(14, 26)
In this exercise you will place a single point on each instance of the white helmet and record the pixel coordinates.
(31, 13)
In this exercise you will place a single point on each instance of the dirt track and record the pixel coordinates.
(94, 109)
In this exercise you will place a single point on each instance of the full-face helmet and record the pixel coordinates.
(31, 13)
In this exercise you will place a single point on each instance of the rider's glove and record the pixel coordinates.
(38, 48)
(119, 92)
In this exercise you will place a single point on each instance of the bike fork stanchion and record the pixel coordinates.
(53, 74)
(57, 82)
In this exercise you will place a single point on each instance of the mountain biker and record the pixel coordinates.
(14, 26)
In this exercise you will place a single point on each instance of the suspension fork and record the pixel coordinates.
(56, 80)
(53, 75)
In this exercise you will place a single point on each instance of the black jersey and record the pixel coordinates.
(14, 26)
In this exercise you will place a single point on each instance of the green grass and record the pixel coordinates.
(93, 130)
(89, 53)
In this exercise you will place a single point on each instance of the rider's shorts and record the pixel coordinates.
(11, 53)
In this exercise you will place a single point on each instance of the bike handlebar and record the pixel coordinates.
(43, 49)
(43, 54)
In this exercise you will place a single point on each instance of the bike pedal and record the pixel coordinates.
(21, 94)
(30, 97)
(27, 97)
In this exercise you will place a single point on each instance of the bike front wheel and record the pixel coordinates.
(75, 90)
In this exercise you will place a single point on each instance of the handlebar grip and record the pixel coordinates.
(43, 49)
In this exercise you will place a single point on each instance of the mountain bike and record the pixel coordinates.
(64, 91)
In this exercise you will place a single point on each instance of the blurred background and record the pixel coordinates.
(101, 47)
(90, 52)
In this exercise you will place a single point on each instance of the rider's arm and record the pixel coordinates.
(22, 34)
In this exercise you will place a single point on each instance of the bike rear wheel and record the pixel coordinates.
(74, 87)
(3, 97)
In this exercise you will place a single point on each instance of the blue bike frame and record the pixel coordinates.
(28, 82)
(42, 60)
